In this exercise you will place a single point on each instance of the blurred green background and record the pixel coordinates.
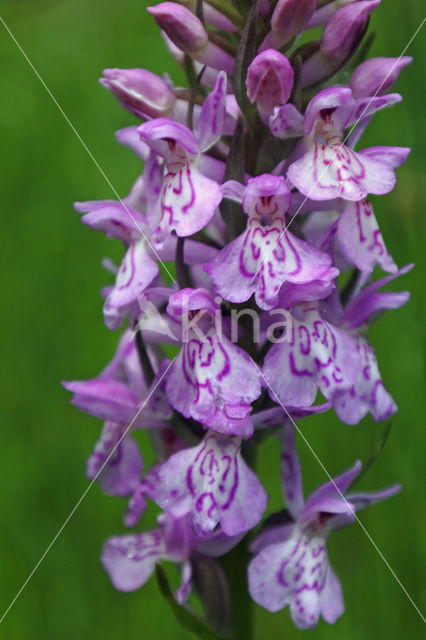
(53, 330)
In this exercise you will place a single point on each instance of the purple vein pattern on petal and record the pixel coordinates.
(213, 484)
(317, 355)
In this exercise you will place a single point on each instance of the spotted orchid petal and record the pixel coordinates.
(115, 461)
(360, 239)
(117, 219)
(212, 116)
(188, 199)
(137, 270)
(330, 169)
(368, 394)
(266, 254)
(317, 355)
(130, 560)
(204, 383)
(212, 483)
(295, 573)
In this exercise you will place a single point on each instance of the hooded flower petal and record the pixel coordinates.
(117, 219)
(329, 498)
(188, 199)
(330, 169)
(213, 484)
(269, 80)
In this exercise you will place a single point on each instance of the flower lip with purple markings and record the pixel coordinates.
(265, 255)
(291, 567)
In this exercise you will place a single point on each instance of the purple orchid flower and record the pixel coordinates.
(368, 393)
(130, 559)
(188, 199)
(315, 355)
(200, 144)
(213, 485)
(333, 357)
(188, 34)
(126, 220)
(329, 169)
(204, 381)
(360, 239)
(118, 394)
(291, 567)
(266, 255)
(115, 461)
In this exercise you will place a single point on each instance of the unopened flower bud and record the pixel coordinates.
(344, 27)
(269, 80)
(181, 25)
(140, 91)
(187, 32)
(342, 31)
(289, 18)
(376, 76)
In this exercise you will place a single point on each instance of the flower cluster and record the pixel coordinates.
(254, 187)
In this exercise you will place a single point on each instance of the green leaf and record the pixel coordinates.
(186, 618)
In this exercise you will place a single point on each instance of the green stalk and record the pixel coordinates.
(235, 565)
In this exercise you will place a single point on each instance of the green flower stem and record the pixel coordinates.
(235, 565)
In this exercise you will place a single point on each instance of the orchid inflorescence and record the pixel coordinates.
(254, 187)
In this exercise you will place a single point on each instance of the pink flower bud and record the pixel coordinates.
(269, 80)
(212, 16)
(140, 91)
(344, 28)
(187, 32)
(289, 18)
(181, 25)
(376, 76)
